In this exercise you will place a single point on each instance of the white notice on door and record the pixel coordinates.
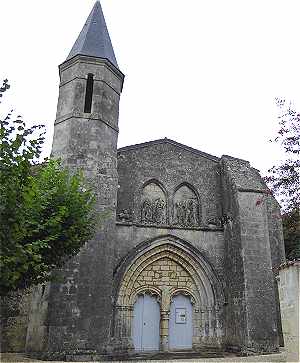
(180, 315)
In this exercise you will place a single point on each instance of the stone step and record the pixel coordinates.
(186, 354)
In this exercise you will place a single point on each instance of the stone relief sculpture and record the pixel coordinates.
(146, 211)
(186, 208)
(153, 207)
(159, 211)
(214, 222)
(125, 215)
(153, 212)
(186, 213)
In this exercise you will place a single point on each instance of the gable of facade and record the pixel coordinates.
(184, 180)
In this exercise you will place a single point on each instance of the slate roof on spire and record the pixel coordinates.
(94, 39)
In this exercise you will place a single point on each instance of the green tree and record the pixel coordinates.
(291, 232)
(46, 213)
(284, 179)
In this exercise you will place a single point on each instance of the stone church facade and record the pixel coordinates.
(187, 247)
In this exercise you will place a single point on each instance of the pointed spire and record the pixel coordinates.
(94, 39)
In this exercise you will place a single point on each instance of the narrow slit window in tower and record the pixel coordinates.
(89, 93)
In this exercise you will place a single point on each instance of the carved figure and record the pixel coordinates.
(180, 213)
(192, 219)
(186, 213)
(213, 222)
(153, 211)
(195, 213)
(189, 213)
(159, 211)
(125, 215)
(146, 212)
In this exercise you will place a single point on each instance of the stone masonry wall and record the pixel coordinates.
(79, 300)
(236, 325)
(14, 315)
(277, 248)
(289, 294)
(165, 272)
(249, 259)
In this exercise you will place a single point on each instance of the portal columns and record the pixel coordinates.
(164, 318)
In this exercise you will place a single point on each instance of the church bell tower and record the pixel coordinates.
(85, 137)
(86, 125)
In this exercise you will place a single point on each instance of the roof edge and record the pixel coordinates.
(171, 142)
(90, 58)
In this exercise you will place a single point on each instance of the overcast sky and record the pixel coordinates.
(201, 72)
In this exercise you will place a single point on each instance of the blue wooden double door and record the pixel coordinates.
(146, 323)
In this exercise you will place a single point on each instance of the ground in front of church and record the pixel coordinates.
(280, 357)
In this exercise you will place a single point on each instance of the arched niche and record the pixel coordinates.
(153, 208)
(186, 206)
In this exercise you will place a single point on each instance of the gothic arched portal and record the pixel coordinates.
(167, 268)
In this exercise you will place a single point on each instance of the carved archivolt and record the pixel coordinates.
(166, 265)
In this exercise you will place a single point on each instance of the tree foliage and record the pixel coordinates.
(291, 232)
(46, 213)
(284, 179)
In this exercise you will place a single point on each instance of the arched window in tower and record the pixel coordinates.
(153, 204)
(186, 208)
(89, 93)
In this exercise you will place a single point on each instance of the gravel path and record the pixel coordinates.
(280, 357)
